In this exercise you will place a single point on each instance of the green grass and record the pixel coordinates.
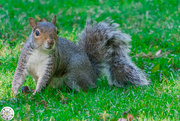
(153, 24)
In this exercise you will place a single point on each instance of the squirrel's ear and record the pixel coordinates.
(32, 22)
(54, 19)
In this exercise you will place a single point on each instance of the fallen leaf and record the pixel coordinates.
(13, 40)
(129, 117)
(166, 79)
(44, 103)
(155, 68)
(156, 40)
(158, 52)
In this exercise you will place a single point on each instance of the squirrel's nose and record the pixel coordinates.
(50, 42)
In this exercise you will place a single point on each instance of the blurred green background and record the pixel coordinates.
(155, 29)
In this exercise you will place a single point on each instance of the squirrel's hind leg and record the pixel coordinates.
(80, 80)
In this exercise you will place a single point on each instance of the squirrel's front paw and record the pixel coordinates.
(36, 91)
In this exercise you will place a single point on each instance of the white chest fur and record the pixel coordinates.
(37, 63)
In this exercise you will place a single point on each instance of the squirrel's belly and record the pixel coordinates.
(37, 64)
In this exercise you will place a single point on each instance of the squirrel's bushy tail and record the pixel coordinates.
(108, 49)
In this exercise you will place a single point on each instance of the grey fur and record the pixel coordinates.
(67, 62)
(55, 61)
(107, 47)
(63, 64)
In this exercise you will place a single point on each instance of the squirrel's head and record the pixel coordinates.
(44, 34)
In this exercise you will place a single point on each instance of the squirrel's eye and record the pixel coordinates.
(37, 33)
(57, 32)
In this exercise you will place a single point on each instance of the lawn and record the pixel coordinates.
(155, 29)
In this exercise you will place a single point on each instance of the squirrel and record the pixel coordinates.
(56, 62)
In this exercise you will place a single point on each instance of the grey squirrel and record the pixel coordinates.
(55, 61)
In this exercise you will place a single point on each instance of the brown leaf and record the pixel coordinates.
(121, 119)
(44, 103)
(156, 40)
(129, 117)
(13, 40)
(166, 79)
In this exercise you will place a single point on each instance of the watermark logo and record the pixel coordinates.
(7, 113)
